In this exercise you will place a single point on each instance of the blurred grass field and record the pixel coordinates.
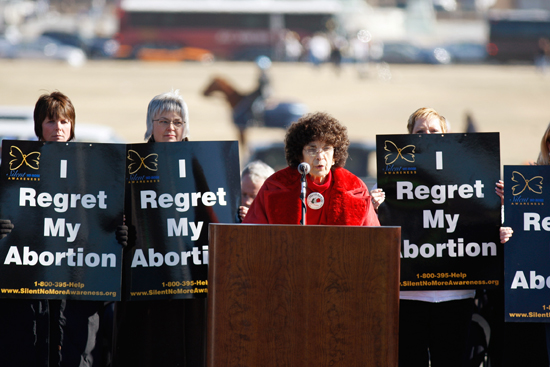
(511, 99)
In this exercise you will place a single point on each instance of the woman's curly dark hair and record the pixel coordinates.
(316, 126)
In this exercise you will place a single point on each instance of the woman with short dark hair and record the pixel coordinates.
(335, 196)
(53, 332)
(50, 111)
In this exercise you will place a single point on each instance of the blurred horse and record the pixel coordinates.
(273, 114)
(221, 85)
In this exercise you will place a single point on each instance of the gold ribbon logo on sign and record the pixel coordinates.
(533, 184)
(31, 160)
(406, 153)
(149, 162)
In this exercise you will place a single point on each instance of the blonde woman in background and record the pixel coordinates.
(433, 325)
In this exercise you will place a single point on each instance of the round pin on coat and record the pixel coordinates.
(315, 200)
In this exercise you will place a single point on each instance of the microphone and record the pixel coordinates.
(304, 168)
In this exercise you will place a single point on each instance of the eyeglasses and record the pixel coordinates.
(178, 124)
(312, 152)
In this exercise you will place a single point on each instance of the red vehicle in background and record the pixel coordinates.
(171, 52)
(228, 29)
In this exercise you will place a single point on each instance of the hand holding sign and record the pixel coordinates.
(5, 227)
(438, 196)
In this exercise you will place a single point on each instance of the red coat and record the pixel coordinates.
(278, 200)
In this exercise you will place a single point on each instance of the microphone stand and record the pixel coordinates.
(303, 198)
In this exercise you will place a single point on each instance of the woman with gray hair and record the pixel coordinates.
(167, 119)
(170, 332)
(252, 178)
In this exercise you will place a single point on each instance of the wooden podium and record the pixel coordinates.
(287, 295)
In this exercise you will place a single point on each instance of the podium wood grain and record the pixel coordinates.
(282, 295)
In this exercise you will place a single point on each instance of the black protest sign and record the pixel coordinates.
(526, 255)
(174, 191)
(65, 201)
(441, 190)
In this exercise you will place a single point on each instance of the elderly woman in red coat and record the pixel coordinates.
(334, 195)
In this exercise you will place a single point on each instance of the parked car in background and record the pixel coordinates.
(95, 48)
(17, 123)
(102, 47)
(17, 130)
(361, 161)
(47, 48)
(16, 114)
(66, 38)
(5, 47)
(88, 133)
(467, 52)
(408, 53)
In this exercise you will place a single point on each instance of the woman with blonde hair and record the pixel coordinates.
(433, 324)
(426, 120)
(544, 155)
